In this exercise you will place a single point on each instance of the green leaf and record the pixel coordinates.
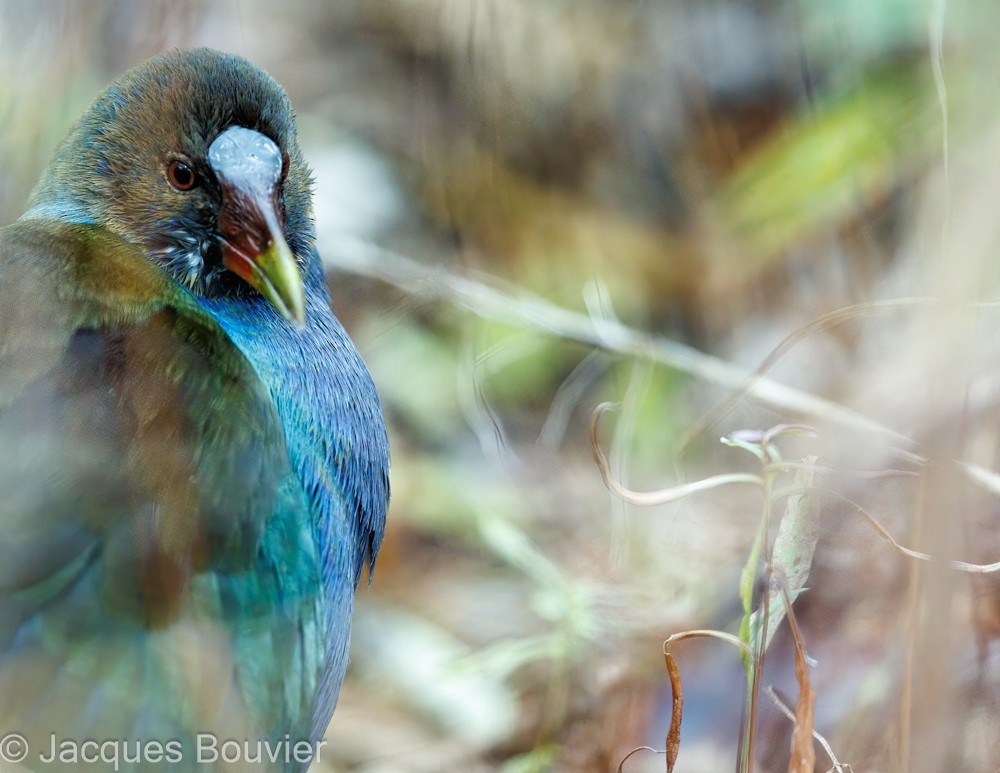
(792, 556)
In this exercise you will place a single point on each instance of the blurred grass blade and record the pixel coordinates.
(831, 164)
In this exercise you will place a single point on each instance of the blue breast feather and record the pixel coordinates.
(336, 439)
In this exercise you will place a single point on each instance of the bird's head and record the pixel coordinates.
(193, 155)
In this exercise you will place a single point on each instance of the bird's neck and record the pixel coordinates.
(329, 410)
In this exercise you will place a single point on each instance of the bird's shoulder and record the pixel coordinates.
(139, 441)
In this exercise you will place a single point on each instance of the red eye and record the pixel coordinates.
(181, 176)
(285, 163)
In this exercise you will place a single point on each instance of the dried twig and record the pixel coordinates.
(803, 756)
(961, 566)
(676, 712)
(663, 496)
(840, 767)
(621, 765)
(708, 633)
(489, 297)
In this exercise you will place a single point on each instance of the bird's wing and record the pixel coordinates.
(158, 573)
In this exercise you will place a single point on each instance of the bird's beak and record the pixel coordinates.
(248, 167)
(254, 248)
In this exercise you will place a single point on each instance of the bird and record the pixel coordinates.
(194, 464)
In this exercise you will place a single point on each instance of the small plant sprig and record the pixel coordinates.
(786, 568)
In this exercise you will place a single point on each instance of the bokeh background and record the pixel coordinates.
(530, 207)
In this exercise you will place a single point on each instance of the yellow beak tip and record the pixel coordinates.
(277, 277)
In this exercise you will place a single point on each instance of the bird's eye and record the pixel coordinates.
(181, 176)
(285, 163)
